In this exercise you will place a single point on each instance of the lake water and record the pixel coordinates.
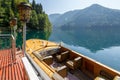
(103, 46)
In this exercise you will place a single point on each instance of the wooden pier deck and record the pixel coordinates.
(11, 69)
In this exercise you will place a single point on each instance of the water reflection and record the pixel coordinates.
(5, 42)
(92, 39)
(32, 34)
(105, 56)
(102, 45)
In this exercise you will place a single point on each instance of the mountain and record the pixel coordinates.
(95, 16)
(53, 17)
(62, 18)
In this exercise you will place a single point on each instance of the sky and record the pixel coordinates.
(62, 6)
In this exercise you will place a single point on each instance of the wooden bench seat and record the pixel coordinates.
(63, 56)
(74, 64)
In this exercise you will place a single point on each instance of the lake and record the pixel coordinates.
(103, 46)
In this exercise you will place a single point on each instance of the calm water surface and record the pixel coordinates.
(101, 46)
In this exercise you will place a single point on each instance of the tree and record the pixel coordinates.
(3, 3)
(33, 4)
(38, 9)
(33, 23)
(39, 20)
(44, 23)
(13, 6)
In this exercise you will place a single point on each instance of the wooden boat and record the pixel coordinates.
(55, 62)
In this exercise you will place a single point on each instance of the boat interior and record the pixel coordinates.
(66, 64)
(63, 63)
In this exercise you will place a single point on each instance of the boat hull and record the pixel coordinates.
(88, 66)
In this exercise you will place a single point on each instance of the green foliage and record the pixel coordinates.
(33, 4)
(38, 8)
(34, 20)
(39, 20)
(43, 19)
(13, 6)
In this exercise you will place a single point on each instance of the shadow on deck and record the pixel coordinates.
(11, 69)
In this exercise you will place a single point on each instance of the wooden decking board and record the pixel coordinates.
(18, 72)
(20, 67)
(9, 69)
(13, 73)
(10, 72)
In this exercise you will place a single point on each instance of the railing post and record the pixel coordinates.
(13, 48)
(24, 38)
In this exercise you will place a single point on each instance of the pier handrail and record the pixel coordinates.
(5, 35)
(13, 46)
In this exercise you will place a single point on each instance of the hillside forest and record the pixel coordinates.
(38, 21)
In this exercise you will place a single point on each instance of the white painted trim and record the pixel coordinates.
(29, 69)
(43, 75)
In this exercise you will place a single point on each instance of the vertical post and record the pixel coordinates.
(13, 24)
(24, 37)
(14, 35)
(13, 48)
(24, 13)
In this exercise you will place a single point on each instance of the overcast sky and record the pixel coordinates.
(62, 6)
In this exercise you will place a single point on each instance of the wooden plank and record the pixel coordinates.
(7, 71)
(10, 70)
(3, 74)
(13, 77)
(21, 70)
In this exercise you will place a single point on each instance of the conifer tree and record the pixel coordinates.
(33, 4)
(13, 6)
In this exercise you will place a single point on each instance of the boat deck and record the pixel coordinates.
(11, 69)
(36, 46)
(76, 74)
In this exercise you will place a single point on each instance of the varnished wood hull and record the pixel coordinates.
(88, 66)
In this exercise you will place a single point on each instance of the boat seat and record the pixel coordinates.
(63, 56)
(62, 71)
(74, 64)
(48, 60)
(106, 75)
(116, 78)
